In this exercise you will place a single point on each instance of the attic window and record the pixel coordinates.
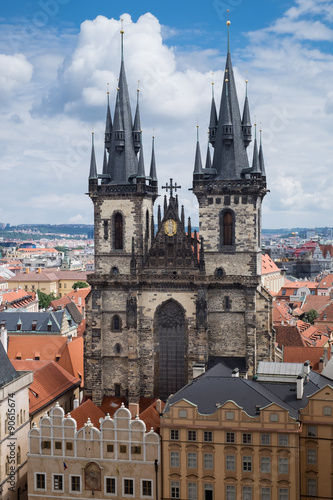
(19, 355)
(49, 327)
(19, 326)
(33, 326)
(3, 323)
(37, 356)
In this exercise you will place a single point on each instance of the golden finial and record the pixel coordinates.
(108, 89)
(153, 133)
(226, 80)
(122, 26)
(228, 22)
(138, 85)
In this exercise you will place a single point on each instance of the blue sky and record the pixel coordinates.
(56, 57)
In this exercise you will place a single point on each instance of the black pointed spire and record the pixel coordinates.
(255, 162)
(93, 169)
(208, 158)
(152, 228)
(261, 158)
(159, 216)
(230, 157)
(246, 121)
(197, 162)
(213, 119)
(189, 230)
(141, 166)
(137, 126)
(108, 124)
(182, 217)
(152, 173)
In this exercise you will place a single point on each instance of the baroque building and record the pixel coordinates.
(165, 300)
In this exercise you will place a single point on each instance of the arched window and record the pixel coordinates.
(227, 228)
(117, 348)
(116, 323)
(118, 232)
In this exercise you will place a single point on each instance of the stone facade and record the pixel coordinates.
(162, 301)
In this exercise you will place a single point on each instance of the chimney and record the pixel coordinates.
(159, 406)
(75, 404)
(321, 364)
(39, 270)
(299, 387)
(134, 409)
(235, 372)
(80, 301)
(198, 369)
(26, 270)
(4, 337)
(307, 367)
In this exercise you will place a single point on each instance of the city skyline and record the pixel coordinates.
(54, 82)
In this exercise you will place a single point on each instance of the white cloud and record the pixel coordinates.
(15, 71)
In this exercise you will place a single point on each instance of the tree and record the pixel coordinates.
(45, 299)
(310, 316)
(79, 284)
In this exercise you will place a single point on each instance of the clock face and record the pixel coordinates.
(170, 227)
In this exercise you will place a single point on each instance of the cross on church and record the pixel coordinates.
(171, 187)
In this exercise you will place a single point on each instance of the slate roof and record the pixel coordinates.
(7, 371)
(48, 322)
(213, 389)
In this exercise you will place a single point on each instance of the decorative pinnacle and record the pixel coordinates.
(255, 130)
(198, 132)
(122, 39)
(228, 24)
(108, 92)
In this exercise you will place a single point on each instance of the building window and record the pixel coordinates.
(283, 494)
(182, 413)
(57, 445)
(230, 492)
(283, 439)
(118, 232)
(265, 439)
(75, 482)
(208, 491)
(110, 485)
(116, 323)
(208, 461)
(109, 448)
(174, 459)
(58, 482)
(40, 481)
(136, 450)
(208, 436)
(69, 446)
(247, 493)
(230, 462)
(192, 491)
(265, 465)
(191, 435)
(46, 445)
(147, 225)
(283, 465)
(247, 438)
(106, 229)
(128, 486)
(122, 448)
(311, 486)
(174, 434)
(192, 460)
(274, 417)
(311, 456)
(247, 464)
(312, 431)
(227, 307)
(117, 387)
(327, 411)
(227, 228)
(175, 489)
(146, 488)
(229, 415)
(265, 494)
(230, 437)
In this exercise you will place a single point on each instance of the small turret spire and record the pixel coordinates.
(255, 162)
(93, 169)
(152, 173)
(246, 120)
(108, 123)
(141, 166)
(213, 118)
(137, 125)
(197, 162)
(261, 158)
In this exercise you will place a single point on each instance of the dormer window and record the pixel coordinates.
(34, 326)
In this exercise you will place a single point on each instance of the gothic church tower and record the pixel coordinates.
(163, 300)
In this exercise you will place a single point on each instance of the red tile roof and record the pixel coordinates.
(50, 382)
(289, 336)
(72, 358)
(151, 416)
(49, 346)
(110, 404)
(301, 354)
(268, 266)
(87, 410)
(317, 302)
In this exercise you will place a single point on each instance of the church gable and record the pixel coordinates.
(171, 248)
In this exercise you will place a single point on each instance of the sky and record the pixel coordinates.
(57, 58)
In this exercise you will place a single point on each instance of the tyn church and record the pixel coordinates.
(163, 301)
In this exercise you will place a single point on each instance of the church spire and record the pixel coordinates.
(208, 158)
(93, 169)
(141, 165)
(152, 173)
(255, 162)
(197, 162)
(230, 156)
(137, 125)
(246, 120)
(213, 119)
(261, 158)
(123, 162)
(108, 123)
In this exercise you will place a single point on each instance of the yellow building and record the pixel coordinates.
(48, 280)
